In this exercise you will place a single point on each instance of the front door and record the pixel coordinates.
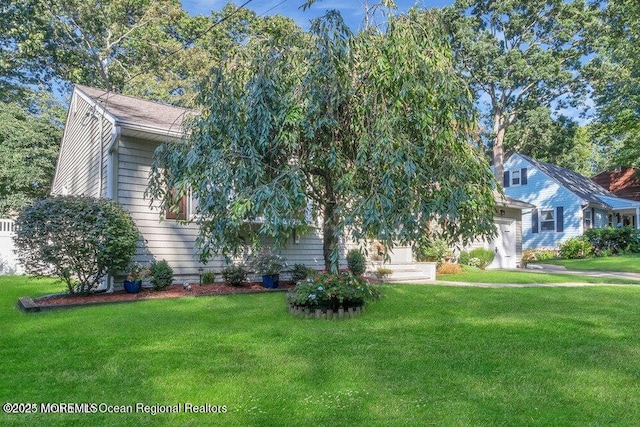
(504, 245)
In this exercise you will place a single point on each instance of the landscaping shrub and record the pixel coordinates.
(575, 247)
(78, 239)
(464, 258)
(481, 257)
(161, 274)
(356, 262)
(432, 249)
(328, 290)
(235, 275)
(449, 268)
(300, 272)
(382, 273)
(208, 277)
(537, 255)
(614, 239)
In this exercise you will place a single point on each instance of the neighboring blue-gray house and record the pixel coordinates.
(566, 202)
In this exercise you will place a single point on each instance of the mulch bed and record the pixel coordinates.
(174, 291)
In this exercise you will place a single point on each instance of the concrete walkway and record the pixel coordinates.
(556, 269)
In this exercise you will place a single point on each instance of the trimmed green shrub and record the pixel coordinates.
(235, 275)
(575, 247)
(161, 274)
(614, 239)
(300, 272)
(464, 258)
(209, 277)
(78, 239)
(432, 249)
(481, 257)
(356, 262)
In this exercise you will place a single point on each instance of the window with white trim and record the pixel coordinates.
(547, 220)
(515, 177)
(588, 219)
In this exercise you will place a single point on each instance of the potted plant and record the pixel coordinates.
(269, 265)
(135, 273)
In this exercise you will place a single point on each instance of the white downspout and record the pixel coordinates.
(111, 176)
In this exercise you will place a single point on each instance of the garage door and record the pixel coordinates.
(504, 245)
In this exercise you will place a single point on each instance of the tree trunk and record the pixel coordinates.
(498, 147)
(329, 239)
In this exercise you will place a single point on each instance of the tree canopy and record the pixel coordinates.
(615, 74)
(28, 152)
(367, 134)
(519, 54)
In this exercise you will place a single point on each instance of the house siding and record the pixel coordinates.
(79, 159)
(173, 241)
(545, 193)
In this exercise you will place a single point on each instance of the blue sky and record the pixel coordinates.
(352, 10)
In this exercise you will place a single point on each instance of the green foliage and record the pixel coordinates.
(301, 272)
(615, 76)
(328, 290)
(235, 275)
(208, 277)
(28, 153)
(161, 274)
(382, 273)
(312, 119)
(431, 249)
(529, 255)
(558, 140)
(576, 247)
(614, 239)
(77, 239)
(267, 263)
(481, 257)
(356, 262)
(464, 257)
(518, 54)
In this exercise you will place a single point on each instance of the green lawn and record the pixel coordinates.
(526, 277)
(423, 355)
(628, 263)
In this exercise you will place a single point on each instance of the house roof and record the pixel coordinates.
(578, 184)
(127, 110)
(623, 182)
(510, 201)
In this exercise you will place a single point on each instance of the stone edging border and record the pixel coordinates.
(318, 313)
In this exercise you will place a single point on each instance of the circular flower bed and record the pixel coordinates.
(329, 295)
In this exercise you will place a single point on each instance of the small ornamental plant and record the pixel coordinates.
(268, 264)
(137, 271)
(333, 291)
(161, 274)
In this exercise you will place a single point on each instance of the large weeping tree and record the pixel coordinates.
(368, 135)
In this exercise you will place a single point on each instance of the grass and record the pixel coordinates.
(422, 355)
(526, 277)
(627, 263)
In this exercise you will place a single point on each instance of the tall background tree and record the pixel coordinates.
(371, 131)
(28, 152)
(518, 55)
(615, 74)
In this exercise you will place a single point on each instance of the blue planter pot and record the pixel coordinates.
(270, 281)
(133, 287)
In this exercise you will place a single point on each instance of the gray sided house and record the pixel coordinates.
(566, 203)
(107, 150)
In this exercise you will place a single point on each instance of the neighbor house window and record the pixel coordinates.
(515, 177)
(547, 220)
(588, 219)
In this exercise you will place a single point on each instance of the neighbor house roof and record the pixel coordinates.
(139, 113)
(623, 182)
(580, 185)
